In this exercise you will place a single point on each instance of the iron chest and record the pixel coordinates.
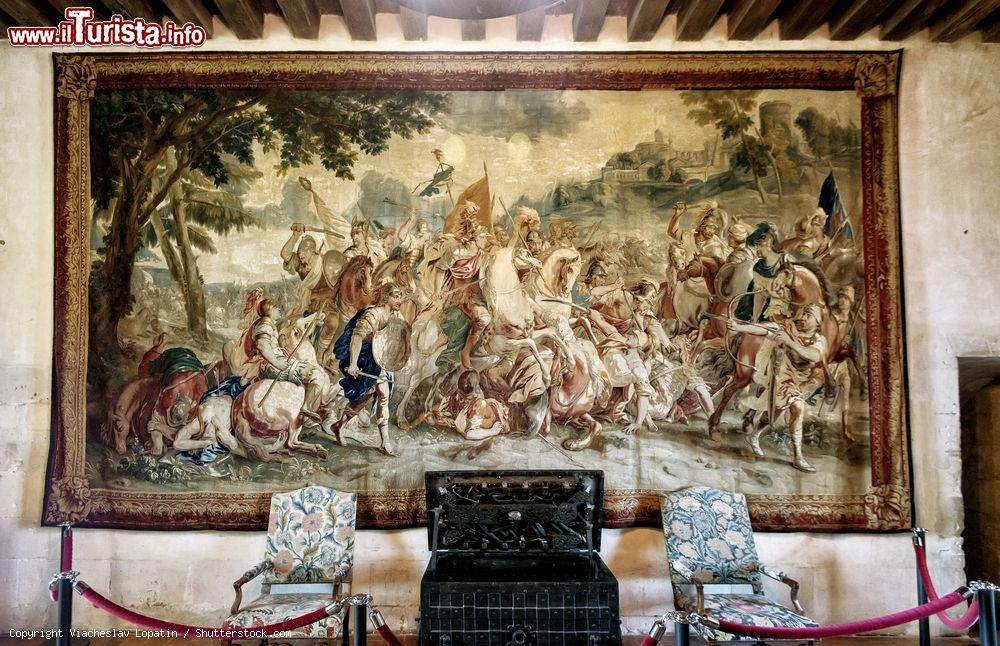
(514, 561)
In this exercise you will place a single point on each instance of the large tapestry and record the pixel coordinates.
(286, 269)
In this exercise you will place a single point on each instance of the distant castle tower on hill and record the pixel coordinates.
(711, 159)
(776, 114)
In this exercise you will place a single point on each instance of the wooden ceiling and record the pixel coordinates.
(896, 20)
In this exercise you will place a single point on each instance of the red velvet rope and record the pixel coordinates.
(649, 641)
(964, 622)
(65, 561)
(855, 627)
(66, 556)
(388, 636)
(256, 632)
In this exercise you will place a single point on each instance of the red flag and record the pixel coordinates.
(479, 194)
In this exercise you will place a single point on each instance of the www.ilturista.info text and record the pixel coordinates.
(80, 28)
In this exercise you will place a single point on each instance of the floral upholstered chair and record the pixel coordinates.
(714, 567)
(307, 562)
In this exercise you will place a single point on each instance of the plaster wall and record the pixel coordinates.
(949, 143)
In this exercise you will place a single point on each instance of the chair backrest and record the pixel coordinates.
(310, 535)
(709, 538)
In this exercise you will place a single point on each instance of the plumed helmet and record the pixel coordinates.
(763, 230)
(254, 297)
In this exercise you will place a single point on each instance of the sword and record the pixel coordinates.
(562, 302)
(560, 450)
(365, 374)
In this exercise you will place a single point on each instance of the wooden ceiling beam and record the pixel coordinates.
(413, 22)
(473, 30)
(588, 18)
(360, 18)
(193, 11)
(696, 17)
(990, 29)
(645, 19)
(134, 9)
(856, 18)
(28, 14)
(331, 7)
(302, 17)
(245, 18)
(531, 24)
(803, 18)
(747, 18)
(908, 18)
(961, 19)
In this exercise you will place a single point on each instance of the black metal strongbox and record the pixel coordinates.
(514, 561)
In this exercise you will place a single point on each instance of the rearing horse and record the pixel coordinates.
(800, 286)
(354, 285)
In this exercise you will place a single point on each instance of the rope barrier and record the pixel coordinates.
(936, 606)
(103, 603)
(838, 630)
(65, 562)
(383, 630)
(222, 632)
(968, 619)
(112, 608)
(66, 555)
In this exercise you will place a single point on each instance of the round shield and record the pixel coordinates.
(391, 345)
(733, 279)
(333, 262)
(843, 268)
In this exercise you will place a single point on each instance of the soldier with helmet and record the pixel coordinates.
(357, 350)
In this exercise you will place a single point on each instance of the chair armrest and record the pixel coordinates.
(792, 584)
(343, 571)
(699, 591)
(247, 577)
(699, 586)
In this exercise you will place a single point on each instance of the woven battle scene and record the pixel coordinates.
(346, 271)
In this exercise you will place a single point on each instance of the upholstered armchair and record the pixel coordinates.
(714, 566)
(307, 562)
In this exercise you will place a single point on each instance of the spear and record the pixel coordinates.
(291, 354)
(326, 231)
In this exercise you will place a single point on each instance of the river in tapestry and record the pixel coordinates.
(348, 289)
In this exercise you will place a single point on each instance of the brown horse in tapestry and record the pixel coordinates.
(802, 286)
(354, 286)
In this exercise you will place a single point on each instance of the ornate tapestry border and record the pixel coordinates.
(874, 75)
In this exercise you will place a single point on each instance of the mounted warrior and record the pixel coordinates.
(400, 268)
(260, 354)
(453, 267)
(317, 275)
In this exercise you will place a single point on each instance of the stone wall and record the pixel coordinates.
(949, 140)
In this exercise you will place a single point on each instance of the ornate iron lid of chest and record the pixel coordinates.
(495, 512)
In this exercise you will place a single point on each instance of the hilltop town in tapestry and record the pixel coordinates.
(350, 288)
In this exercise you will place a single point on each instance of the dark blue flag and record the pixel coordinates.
(836, 214)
